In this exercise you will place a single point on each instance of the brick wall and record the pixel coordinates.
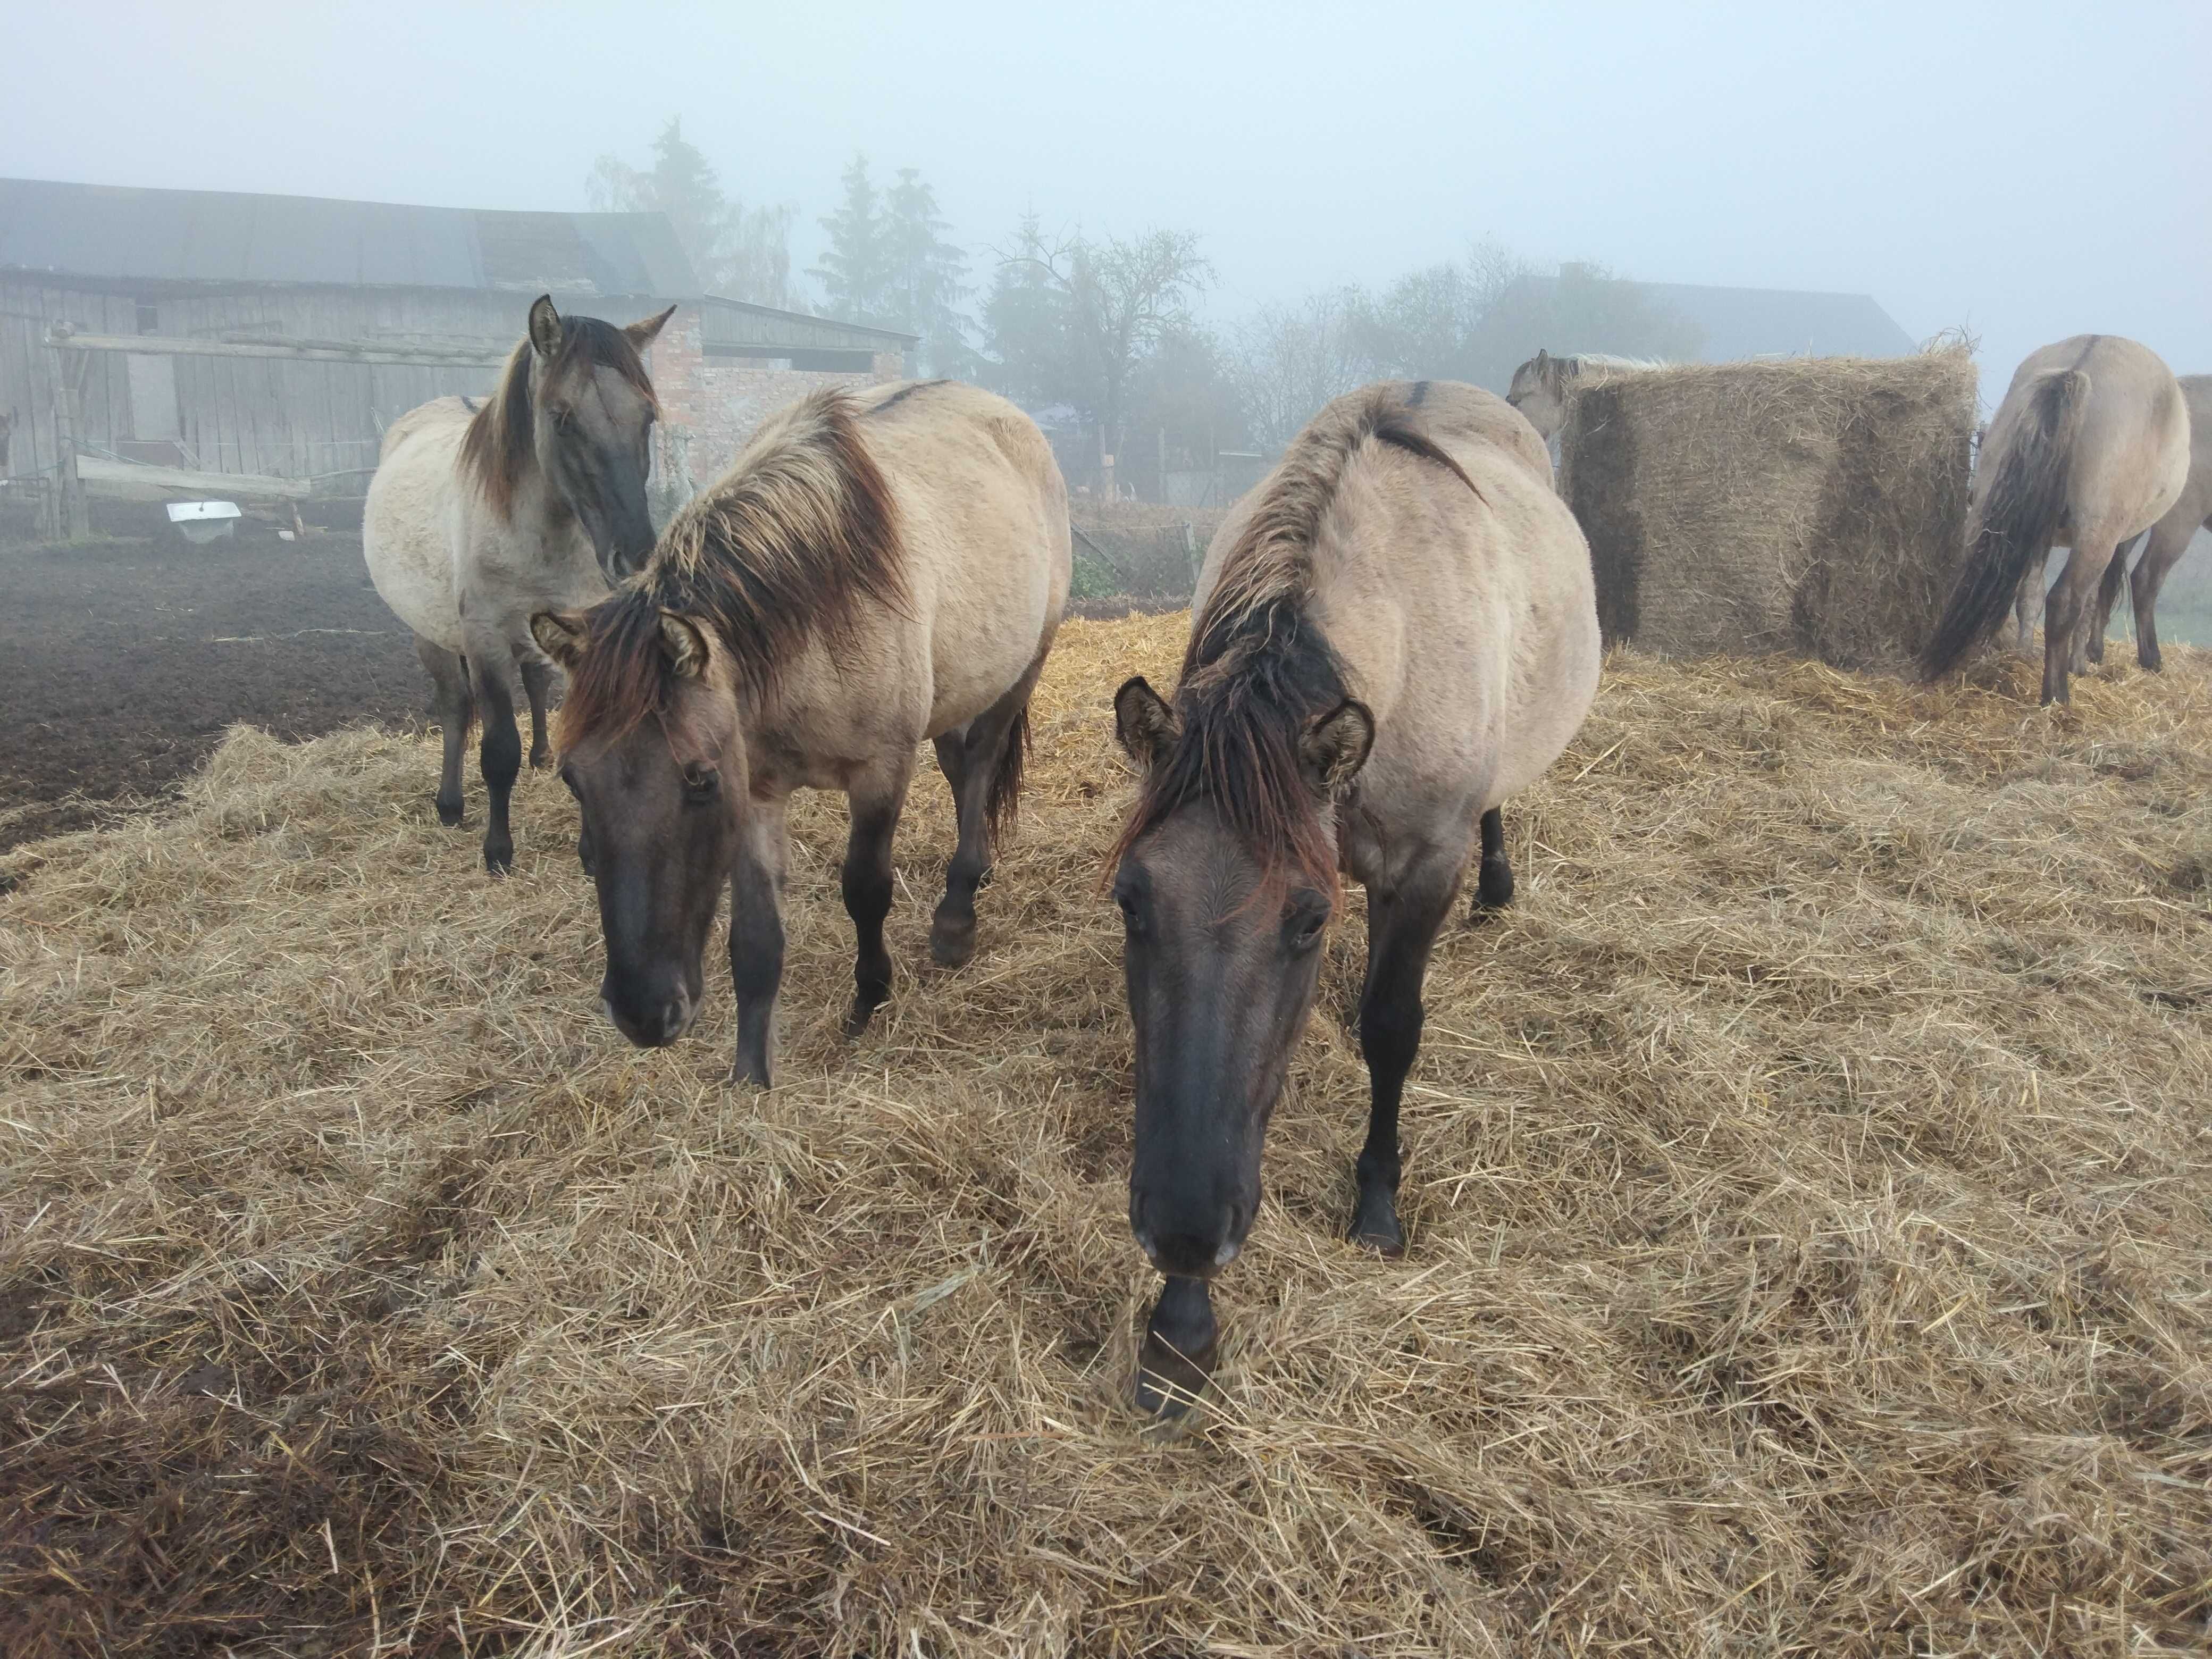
(711, 405)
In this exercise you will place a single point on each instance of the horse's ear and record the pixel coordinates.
(1335, 746)
(684, 646)
(1144, 725)
(645, 329)
(545, 326)
(1543, 360)
(559, 637)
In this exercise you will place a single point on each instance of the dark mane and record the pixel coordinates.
(1259, 669)
(499, 449)
(791, 543)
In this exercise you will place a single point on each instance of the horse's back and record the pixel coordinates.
(406, 521)
(1467, 616)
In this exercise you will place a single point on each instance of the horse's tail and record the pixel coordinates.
(2018, 517)
(1003, 804)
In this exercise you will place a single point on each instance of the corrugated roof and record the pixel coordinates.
(121, 234)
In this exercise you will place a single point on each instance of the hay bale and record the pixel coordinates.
(1814, 506)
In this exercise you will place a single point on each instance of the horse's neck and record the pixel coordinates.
(541, 514)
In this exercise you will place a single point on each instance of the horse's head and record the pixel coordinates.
(1537, 390)
(592, 414)
(652, 752)
(1222, 954)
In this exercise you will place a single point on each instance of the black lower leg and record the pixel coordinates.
(537, 687)
(1181, 1343)
(449, 683)
(1401, 930)
(867, 885)
(1493, 881)
(755, 967)
(499, 754)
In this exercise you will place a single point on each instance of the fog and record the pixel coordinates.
(2026, 172)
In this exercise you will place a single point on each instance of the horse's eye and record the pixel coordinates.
(701, 783)
(1307, 922)
(1131, 918)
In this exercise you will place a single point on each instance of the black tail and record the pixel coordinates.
(1003, 804)
(2018, 519)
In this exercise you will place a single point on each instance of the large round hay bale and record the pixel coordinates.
(1809, 505)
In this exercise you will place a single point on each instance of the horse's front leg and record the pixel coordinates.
(2169, 540)
(537, 687)
(499, 751)
(1401, 928)
(757, 938)
(876, 803)
(983, 764)
(1181, 1343)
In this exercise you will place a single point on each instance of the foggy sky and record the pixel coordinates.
(2028, 171)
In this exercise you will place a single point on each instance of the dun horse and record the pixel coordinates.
(2165, 541)
(1393, 634)
(1539, 388)
(480, 514)
(876, 568)
(2089, 448)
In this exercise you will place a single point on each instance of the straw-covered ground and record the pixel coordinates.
(1809, 1186)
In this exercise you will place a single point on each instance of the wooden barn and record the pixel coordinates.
(268, 340)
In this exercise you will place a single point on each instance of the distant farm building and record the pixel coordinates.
(347, 314)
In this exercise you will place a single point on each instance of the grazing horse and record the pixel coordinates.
(2166, 541)
(480, 514)
(1539, 388)
(1392, 634)
(876, 568)
(2089, 448)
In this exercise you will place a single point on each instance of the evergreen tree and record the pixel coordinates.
(856, 272)
(925, 281)
(740, 252)
(1025, 324)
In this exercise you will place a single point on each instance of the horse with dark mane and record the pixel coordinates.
(2089, 448)
(1393, 634)
(876, 567)
(480, 513)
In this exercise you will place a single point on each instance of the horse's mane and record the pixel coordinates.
(789, 544)
(1258, 669)
(499, 449)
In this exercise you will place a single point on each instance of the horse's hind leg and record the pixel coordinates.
(1493, 881)
(2071, 599)
(451, 702)
(983, 765)
(876, 804)
(2167, 544)
(1401, 928)
(2027, 602)
(537, 687)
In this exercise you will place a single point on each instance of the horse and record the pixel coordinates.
(2163, 542)
(479, 515)
(1393, 633)
(1539, 388)
(2089, 448)
(876, 568)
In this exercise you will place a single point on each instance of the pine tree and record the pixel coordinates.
(924, 276)
(855, 269)
(743, 253)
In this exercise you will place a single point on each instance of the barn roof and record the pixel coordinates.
(125, 234)
(1758, 322)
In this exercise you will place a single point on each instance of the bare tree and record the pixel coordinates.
(1291, 360)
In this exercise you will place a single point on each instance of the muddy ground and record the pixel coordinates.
(121, 663)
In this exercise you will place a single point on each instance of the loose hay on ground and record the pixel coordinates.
(1806, 1185)
(1814, 505)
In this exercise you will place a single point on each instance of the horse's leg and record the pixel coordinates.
(537, 686)
(1493, 882)
(1401, 928)
(982, 757)
(757, 936)
(2062, 614)
(2098, 623)
(876, 804)
(450, 703)
(2027, 602)
(2168, 541)
(499, 752)
(1180, 1344)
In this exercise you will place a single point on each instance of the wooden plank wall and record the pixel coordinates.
(286, 419)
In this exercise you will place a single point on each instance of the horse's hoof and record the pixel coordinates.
(1493, 886)
(540, 759)
(2152, 662)
(449, 814)
(951, 944)
(499, 861)
(858, 1017)
(1375, 1227)
(1168, 1381)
